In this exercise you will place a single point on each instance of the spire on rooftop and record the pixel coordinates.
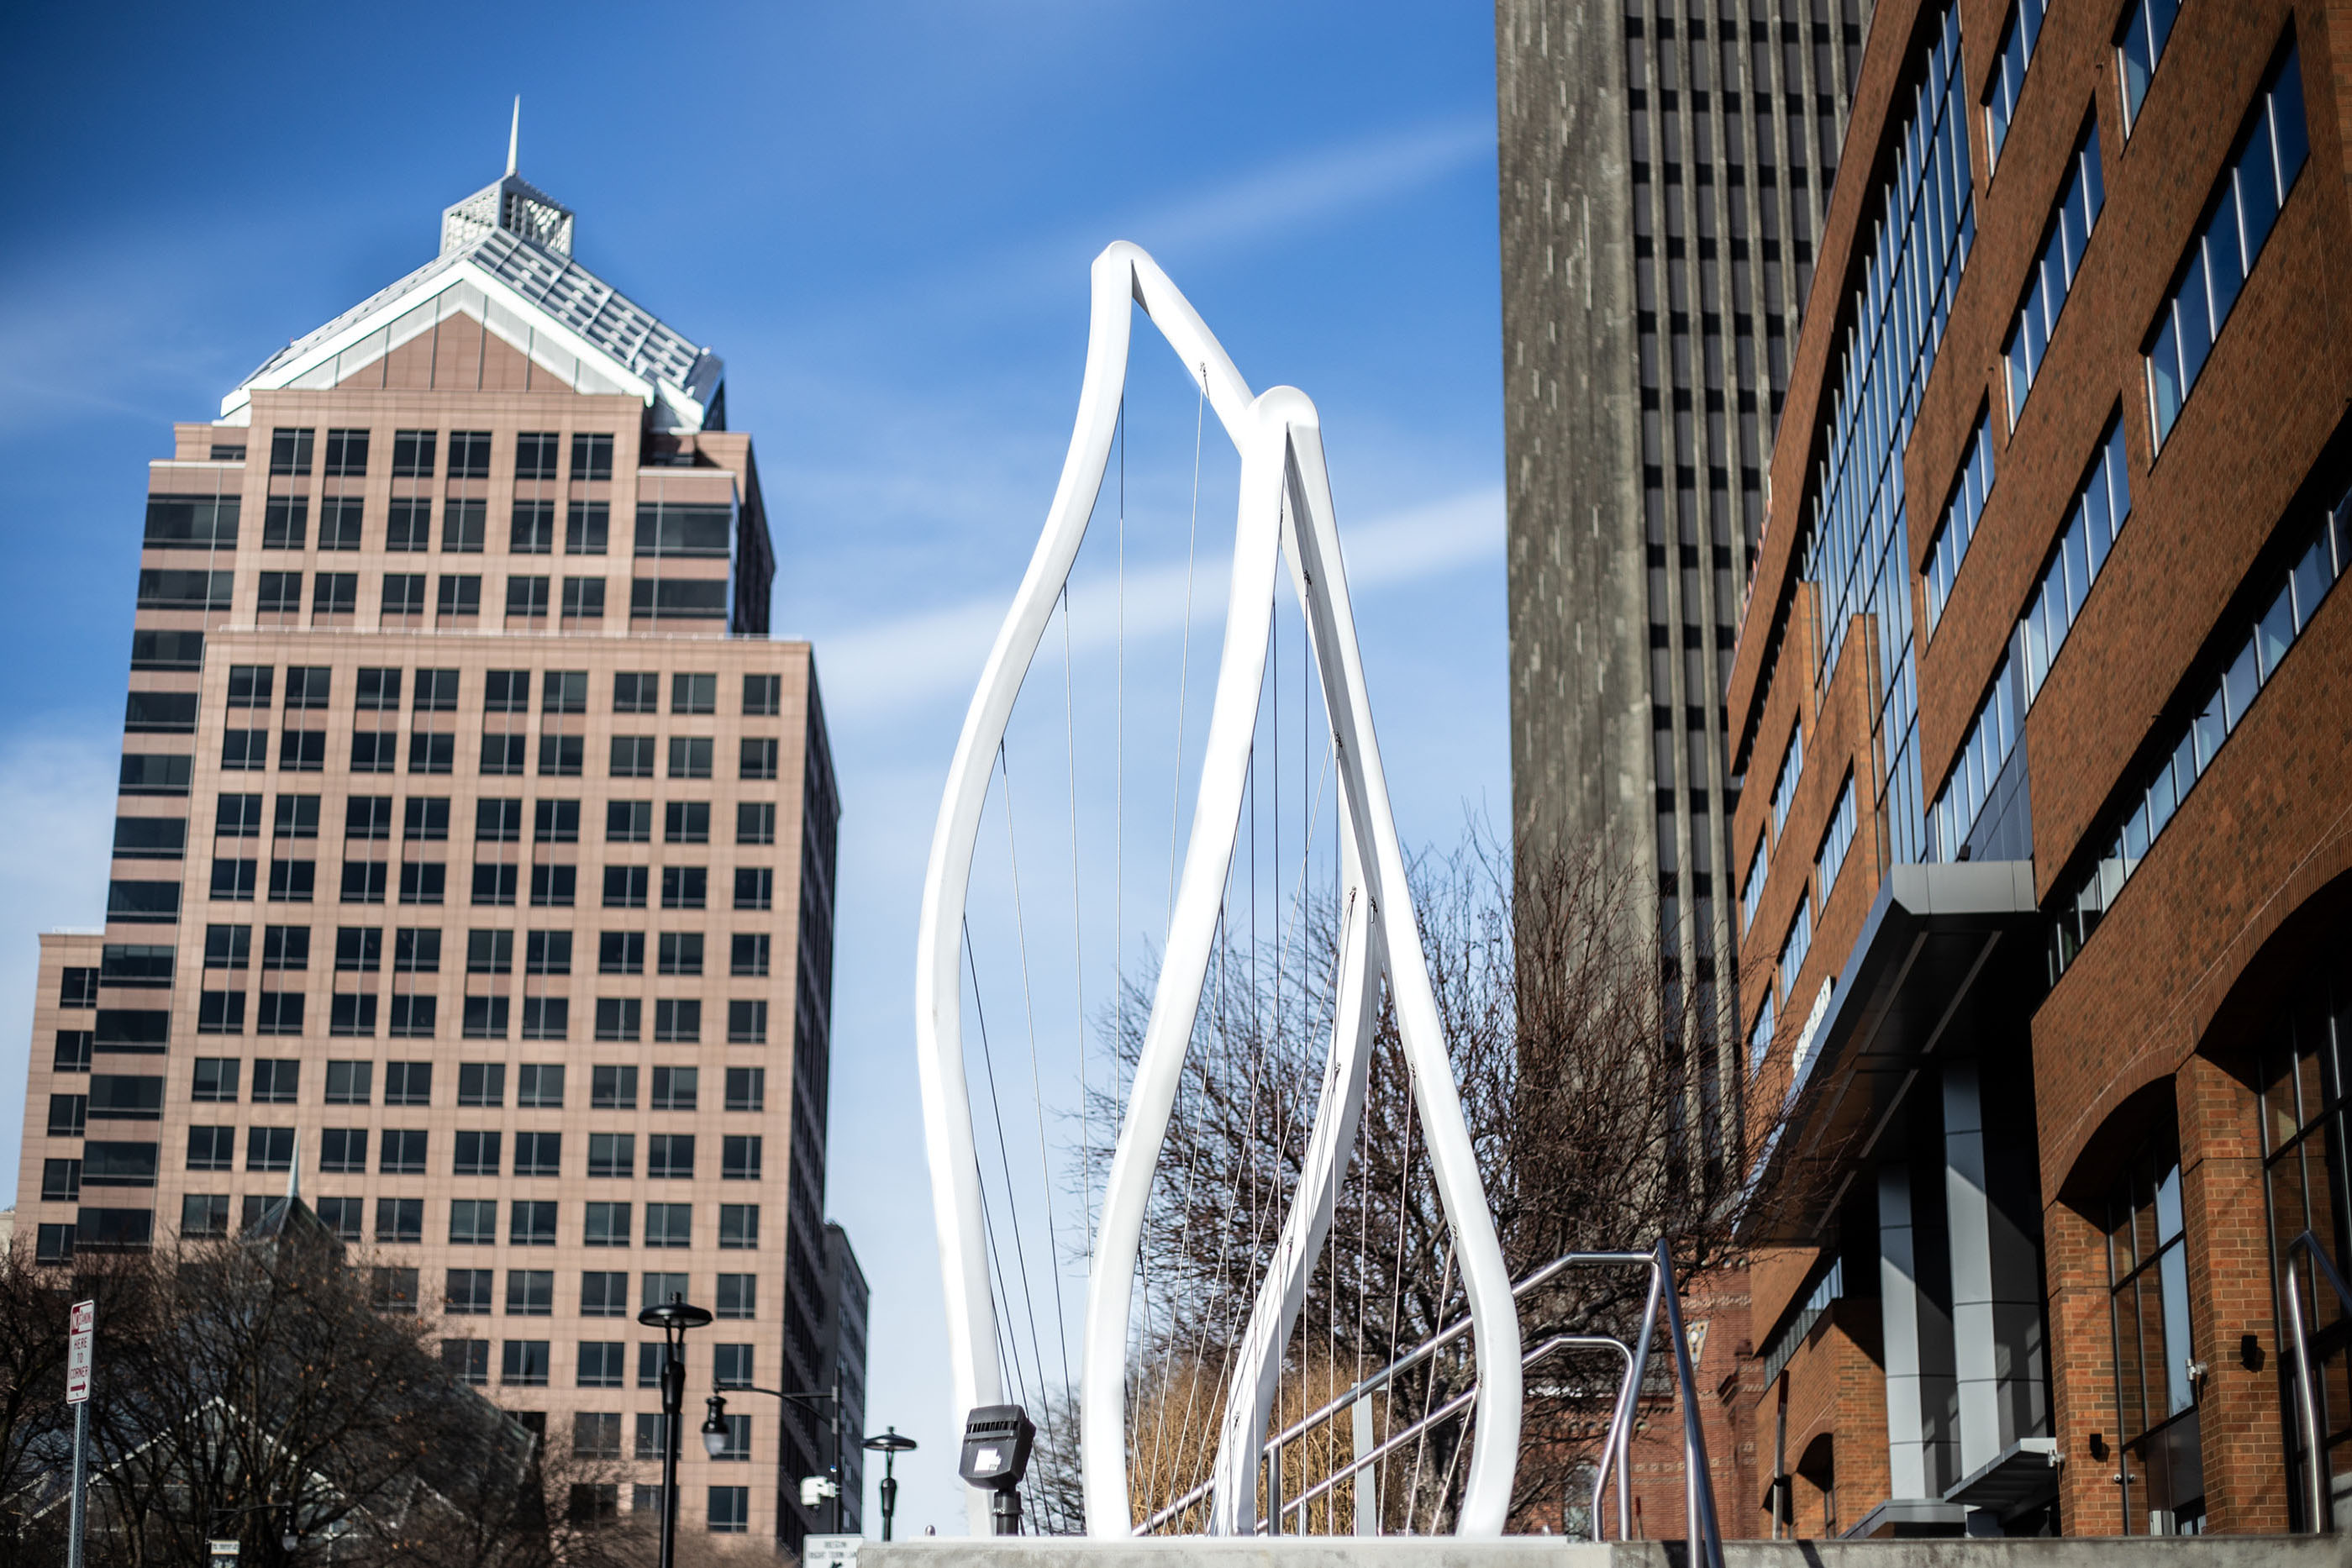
(512, 204)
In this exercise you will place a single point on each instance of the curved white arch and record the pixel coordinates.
(1284, 502)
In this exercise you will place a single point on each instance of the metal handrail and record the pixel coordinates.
(2306, 1405)
(1398, 1439)
(1388, 1374)
(1704, 1535)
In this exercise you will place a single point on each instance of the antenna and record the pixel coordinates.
(514, 133)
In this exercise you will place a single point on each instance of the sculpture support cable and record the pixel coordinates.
(1284, 511)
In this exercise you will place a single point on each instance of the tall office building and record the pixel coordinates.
(845, 1298)
(474, 851)
(2048, 863)
(1664, 168)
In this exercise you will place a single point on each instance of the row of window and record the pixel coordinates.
(504, 754)
(457, 596)
(2245, 207)
(596, 1435)
(539, 1085)
(497, 819)
(503, 690)
(2011, 58)
(2149, 802)
(2068, 233)
(345, 452)
(599, 1502)
(668, 529)
(676, 1020)
(1956, 529)
(669, 1156)
(292, 880)
(2095, 519)
(401, 1221)
(663, 528)
(359, 949)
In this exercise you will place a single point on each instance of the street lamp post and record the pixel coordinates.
(889, 1445)
(714, 1425)
(673, 1318)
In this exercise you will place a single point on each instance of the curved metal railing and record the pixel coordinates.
(1703, 1533)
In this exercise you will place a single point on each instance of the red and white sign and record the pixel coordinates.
(85, 1331)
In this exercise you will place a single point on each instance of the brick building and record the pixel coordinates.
(475, 854)
(2043, 695)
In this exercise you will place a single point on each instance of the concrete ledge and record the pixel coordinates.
(1550, 1551)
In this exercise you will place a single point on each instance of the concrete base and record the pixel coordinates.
(1550, 1551)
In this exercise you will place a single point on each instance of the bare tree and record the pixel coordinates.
(1589, 1076)
(261, 1389)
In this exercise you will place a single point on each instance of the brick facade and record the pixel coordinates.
(2155, 1024)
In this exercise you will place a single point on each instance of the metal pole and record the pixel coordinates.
(2306, 1408)
(836, 1454)
(81, 1518)
(673, 1397)
(889, 1490)
(1705, 1546)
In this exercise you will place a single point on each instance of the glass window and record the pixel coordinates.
(2075, 213)
(2147, 1282)
(637, 693)
(467, 1361)
(604, 1293)
(748, 953)
(2271, 150)
(524, 1363)
(592, 457)
(587, 527)
(676, 1088)
(469, 454)
(536, 454)
(347, 452)
(289, 451)
(413, 453)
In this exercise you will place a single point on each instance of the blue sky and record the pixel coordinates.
(881, 216)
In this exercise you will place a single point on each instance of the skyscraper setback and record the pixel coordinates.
(474, 863)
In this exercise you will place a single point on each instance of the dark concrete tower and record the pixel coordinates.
(1665, 164)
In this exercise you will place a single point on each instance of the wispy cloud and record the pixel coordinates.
(1312, 187)
(883, 668)
(1289, 197)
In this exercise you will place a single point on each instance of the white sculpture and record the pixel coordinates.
(1285, 511)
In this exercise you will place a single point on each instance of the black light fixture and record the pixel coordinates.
(673, 1318)
(889, 1445)
(714, 1428)
(996, 1443)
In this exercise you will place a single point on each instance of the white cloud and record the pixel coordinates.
(887, 667)
(1312, 187)
(1289, 197)
(57, 794)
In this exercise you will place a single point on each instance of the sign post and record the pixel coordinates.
(78, 1359)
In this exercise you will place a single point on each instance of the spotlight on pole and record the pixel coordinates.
(996, 1443)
